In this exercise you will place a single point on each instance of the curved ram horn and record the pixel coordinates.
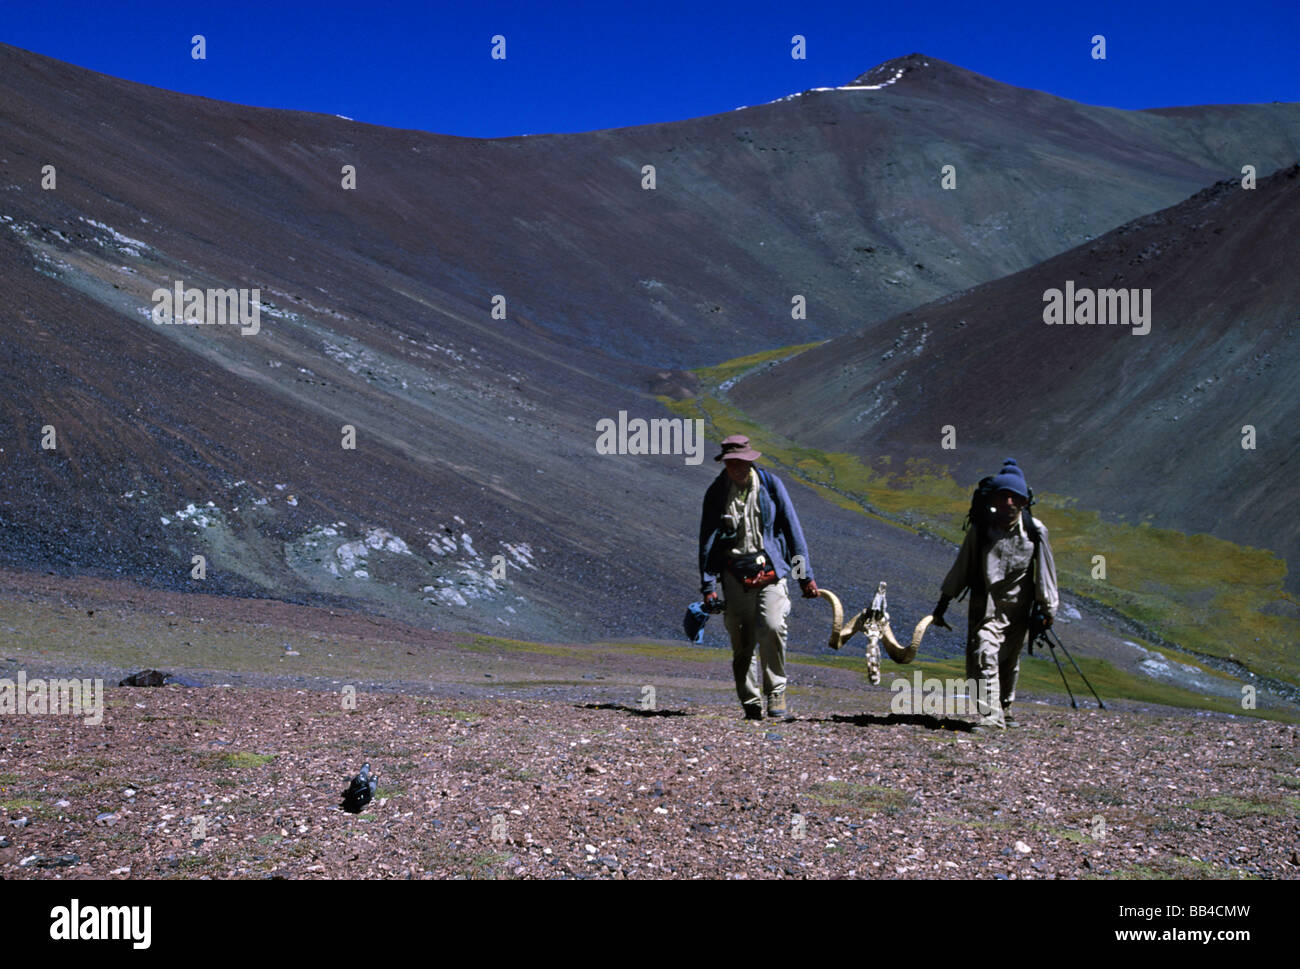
(896, 652)
(855, 625)
(837, 618)
(917, 633)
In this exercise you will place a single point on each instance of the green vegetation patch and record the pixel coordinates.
(686, 654)
(739, 365)
(239, 760)
(497, 644)
(466, 863)
(1038, 674)
(1018, 825)
(1174, 867)
(867, 798)
(1098, 795)
(1240, 806)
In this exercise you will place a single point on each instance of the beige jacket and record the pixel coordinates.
(1008, 558)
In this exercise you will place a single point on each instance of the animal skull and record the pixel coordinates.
(873, 623)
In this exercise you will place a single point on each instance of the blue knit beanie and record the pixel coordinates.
(1011, 478)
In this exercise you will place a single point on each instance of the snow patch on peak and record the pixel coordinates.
(883, 75)
(892, 78)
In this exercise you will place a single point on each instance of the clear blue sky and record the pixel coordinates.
(578, 66)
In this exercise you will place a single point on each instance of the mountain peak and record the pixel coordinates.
(879, 77)
(891, 71)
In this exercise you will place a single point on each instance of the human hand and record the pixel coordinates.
(810, 590)
(940, 608)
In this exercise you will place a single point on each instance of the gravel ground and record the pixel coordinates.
(236, 782)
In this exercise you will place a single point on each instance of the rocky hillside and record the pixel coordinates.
(1192, 426)
(384, 438)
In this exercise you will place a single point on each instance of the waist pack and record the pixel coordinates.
(754, 570)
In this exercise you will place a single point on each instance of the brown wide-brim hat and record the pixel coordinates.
(737, 448)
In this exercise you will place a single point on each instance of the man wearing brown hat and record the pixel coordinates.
(751, 539)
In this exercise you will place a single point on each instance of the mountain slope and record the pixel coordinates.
(830, 194)
(476, 435)
(1148, 427)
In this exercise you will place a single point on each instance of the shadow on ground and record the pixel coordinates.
(888, 720)
(634, 710)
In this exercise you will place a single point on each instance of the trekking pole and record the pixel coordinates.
(1046, 633)
(1052, 649)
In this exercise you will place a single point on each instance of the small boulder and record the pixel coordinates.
(145, 678)
(158, 678)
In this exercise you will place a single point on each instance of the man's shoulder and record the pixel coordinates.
(1039, 526)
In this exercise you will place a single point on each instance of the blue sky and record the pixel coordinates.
(581, 66)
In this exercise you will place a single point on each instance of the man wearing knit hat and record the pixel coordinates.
(1006, 562)
(751, 539)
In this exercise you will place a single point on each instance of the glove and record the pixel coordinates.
(1039, 620)
(940, 608)
(810, 590)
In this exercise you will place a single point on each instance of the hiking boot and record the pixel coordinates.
(1009, 717)
(776, 705)
(988, 725)
(753, 711)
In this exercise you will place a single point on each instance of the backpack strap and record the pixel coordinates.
(1031, 526)
(1037, 538)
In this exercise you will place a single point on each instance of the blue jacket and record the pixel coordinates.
(782, 536)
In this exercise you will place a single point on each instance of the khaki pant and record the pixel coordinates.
(993, 656)
(756, 618)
